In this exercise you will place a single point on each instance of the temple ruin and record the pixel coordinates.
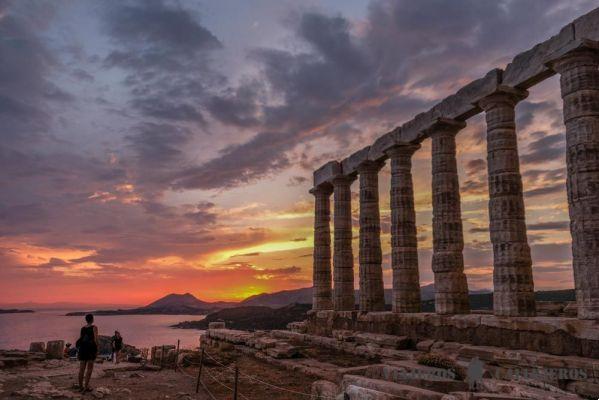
(393, 349)
(574, 55)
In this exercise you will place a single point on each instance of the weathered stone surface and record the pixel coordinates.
(55, 349)
(349, 166)
(327, 172)
(413, 130)
(282, 350)
(372, 296)
(378, 149)
(216, 325)
(404, 242)
(425, 345)
(528, 68)
(392, 341)
(513, 293)
(359, 393)
(451, 287)
(464, 103)
(396, 389)
(322, 298)
(324, 390)
(413, 374)
(579, 80)
(553, 335)
(587, 27)
(37, 347)
(343, 259)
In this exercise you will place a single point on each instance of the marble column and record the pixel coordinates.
(579, 82)
(451, 286)
(513, 287)
(322, 248)
(372, 295)
(404, 242)
(343, 259)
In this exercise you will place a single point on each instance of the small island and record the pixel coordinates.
(14, 311)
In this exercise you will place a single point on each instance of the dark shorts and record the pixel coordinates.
(87, 353)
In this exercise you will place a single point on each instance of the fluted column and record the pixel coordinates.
(321, 291)
(513, 287)
(372, 295)
(451, 286)
(404, 242)
(579, 82)
(343, 259)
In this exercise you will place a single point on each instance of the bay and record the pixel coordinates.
(17, 331)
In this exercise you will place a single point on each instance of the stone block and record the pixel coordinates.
(390, 341)
(37, 347)
(390, 388)
(324, 390)
(377, 149)
(587, 27)
(55, 349)
(425, 345)
(282, 350)
(464, 103)
(326, 173)
(529, 68)
(216, 325)
(413, 130)
(349, 166)
(359, 393)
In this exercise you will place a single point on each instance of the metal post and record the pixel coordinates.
(200, 371)
(177, 355)
(236, 379)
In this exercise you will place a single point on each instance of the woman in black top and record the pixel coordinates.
(87, 347)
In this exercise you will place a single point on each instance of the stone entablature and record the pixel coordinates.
(574, 54)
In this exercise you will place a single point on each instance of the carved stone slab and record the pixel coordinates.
(528, 68)
(377, 150)
(327, 172)
(462, 104)
(349, 165)
(587, 26)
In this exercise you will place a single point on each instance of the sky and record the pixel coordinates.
(157, 146)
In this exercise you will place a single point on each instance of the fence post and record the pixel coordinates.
(200, 371)
(236, 379)
(177, 355)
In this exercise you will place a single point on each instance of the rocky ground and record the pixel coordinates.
(55, 379)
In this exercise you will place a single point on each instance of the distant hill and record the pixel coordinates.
(304, 296)
(252, 317)
(172, 304)
(14, 311)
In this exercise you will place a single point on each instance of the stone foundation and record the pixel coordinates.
(553, 335)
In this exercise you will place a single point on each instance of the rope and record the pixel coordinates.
(215, 379)
(201, 383)
(266, 383)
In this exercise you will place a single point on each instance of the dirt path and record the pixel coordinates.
(55, 380)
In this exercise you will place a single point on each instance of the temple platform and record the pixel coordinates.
(553, 335)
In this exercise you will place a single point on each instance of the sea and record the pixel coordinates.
(17, 331)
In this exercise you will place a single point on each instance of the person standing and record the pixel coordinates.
(117, 346)
(87, 346)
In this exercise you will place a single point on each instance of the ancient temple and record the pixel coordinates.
(574, 55)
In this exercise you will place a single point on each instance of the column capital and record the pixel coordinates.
(343, 179)
(324, 188)
(583, 52)
(445, 126)
(370, 166)
(402, 149)
(504, 95)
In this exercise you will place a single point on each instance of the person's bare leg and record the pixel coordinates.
(88, 373)
(81, 372)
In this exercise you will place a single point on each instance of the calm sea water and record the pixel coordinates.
(18, 330)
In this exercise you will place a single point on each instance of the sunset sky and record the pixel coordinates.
(150, 147)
